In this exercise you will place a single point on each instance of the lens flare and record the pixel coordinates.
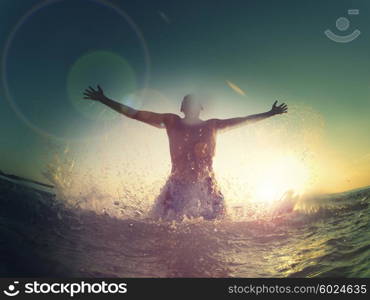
(8, 49)
(109, 70)
(234, 87)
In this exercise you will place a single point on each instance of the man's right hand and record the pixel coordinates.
(95, 95)
(155, 119)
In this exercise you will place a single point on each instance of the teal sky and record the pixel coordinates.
(270, 49)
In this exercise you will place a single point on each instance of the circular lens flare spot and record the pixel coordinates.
(110, 71)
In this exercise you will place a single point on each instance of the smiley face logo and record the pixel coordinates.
(342, 24)
(11, 290)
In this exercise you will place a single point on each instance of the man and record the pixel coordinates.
(191, 190)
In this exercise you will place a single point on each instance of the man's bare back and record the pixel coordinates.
(192, 148)
(191, 189)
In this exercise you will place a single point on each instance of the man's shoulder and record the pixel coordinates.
(170, 119)
(170, 116)
(212, 122)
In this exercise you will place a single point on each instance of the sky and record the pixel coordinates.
(239, 56)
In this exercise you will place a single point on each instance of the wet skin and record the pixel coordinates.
(192, 148)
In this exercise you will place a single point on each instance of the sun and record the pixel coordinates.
(278, 176)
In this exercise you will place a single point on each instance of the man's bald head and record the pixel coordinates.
(191, 106)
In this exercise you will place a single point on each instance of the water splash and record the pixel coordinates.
(121, 176)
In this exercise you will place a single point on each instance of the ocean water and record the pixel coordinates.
(324, 236)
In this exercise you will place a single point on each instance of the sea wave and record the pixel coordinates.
(316, 235)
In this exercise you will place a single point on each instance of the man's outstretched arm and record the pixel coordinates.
(151, 118)
(235, 122)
